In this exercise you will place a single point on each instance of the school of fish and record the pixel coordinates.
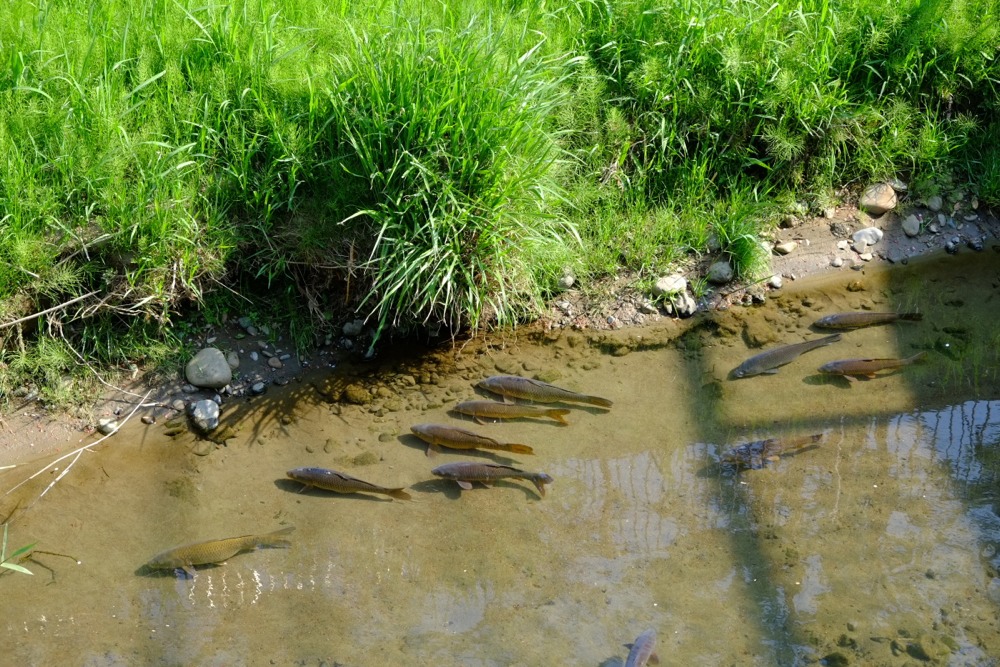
(511, 388)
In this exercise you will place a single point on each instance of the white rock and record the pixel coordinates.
(866, 256)
(837, 262)
(870, 235)
(670, 285)
(567, 280)
(911, 225)
(786, 247)
(843, 244)
(775, 281)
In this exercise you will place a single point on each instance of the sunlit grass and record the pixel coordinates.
(445, 163)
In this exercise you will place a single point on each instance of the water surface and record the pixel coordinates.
(881, 545)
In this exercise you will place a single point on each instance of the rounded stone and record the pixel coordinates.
(670, 285)
(868, 235)
(233, 359)
(786, 247)
(719, 273)
(911, 225)
(209, 369)
(107, 426)
(274, 362)
(935, 203)
(878, 198)
(354, 328)
(567, 280)
(205, 415)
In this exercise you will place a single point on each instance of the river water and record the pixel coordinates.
(881, 546)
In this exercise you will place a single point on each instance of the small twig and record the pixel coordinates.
(48, 310)
(76, 454)
(83, 362)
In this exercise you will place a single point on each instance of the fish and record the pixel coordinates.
(515, 386)
(856, 320)
(216, 551)
(331, 480)
(497, 410)
(437, 435)
(867, 367)
(768, 362)
(755, 455)
(466, 472)
(642, 651)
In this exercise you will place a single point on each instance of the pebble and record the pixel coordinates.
(775, 281)
(274, 362)
(567, 280)
(148, 419)
(951, 247)
(786, 247)
(837, 262)
(258, 388)
(975, 244)
(178, 405)
(933, 228)
(866, 256)
(254, 356)
(244, 322)
(934, 203)
(843, 244)
(285, 357)
(911, 225)
(252, 330)
(233, 359)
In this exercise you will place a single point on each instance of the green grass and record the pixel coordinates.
(439, 163)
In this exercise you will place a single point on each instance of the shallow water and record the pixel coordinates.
(880, 545)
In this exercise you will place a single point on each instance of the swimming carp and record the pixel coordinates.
(642, 649)
(867, 367)
(856, 320)
(331, 480)
(437, 435)
(515, 386)
(466, 472)
(768, 362)
(215, 551)
(497, 410)
(755, 455)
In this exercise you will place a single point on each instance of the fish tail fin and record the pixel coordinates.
(519, 449)
(833, 338)
(540, 480)
(912, 317)
(559, 415)
(918, 357)
(432, 450)
(274, 540)
(599, 402)
(399, 494)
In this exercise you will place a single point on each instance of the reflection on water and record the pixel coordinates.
(881, 545)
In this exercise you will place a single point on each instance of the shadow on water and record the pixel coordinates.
(957, 368)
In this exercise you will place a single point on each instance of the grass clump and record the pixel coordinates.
(448, 132)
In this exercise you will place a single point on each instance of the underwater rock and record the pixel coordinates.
(356, 394)
(205, 415)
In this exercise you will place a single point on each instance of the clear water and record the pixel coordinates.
(881, 545)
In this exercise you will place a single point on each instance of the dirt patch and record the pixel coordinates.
(267, 362)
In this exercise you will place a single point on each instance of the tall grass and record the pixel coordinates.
(429, 162)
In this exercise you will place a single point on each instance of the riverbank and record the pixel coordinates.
(265, 361)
